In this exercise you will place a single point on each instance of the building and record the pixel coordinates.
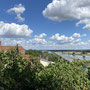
(5, 48)
(20, 49)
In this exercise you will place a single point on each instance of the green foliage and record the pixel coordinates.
(17, 73)
(84, 52)
(63, 76)
(51, 57)
(34, 53)
(73, 53)
(89, 72)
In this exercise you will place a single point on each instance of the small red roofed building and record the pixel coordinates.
(5, 48)
(20, 49)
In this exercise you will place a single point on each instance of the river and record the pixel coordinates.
(76, 57)
(71, 56)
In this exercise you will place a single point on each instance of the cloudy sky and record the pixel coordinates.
(45, 24)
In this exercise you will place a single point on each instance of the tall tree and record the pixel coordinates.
(17, 48)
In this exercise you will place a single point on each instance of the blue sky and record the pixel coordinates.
(45, 24)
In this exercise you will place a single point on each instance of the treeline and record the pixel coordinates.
(16, 73)
(68, 50)
(35, 53)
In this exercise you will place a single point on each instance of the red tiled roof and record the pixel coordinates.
(11, 47)
(25, 56)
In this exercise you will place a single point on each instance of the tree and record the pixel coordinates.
(62, 76)
(17, 49)
(17, 73)
(89, 73)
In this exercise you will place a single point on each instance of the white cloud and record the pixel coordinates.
(18, 10)
(57, 42)
(59, 10)
(87, 26)
(86, 22)
(71, 40)
(13, 30)
(77, 35)
(44, 44)
(40, 36)
(76, 41)
(89, 41)
(62, 39)
(38, 39)
(84, 35)
(55, 37)
(82, 43)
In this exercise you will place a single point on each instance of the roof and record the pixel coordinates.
(25, 56)
(11, 47)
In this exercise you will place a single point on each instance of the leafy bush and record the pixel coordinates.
(34, 53)
(63, 76)
(17, 73)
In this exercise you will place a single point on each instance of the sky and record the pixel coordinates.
(45, 24)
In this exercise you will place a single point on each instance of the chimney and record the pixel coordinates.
(0, 43)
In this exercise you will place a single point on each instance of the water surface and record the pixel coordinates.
(76, 57)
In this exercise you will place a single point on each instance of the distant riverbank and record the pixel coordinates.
(75, 53)
(74, 59)
(70, 57)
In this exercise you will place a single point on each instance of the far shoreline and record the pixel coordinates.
(75, 53)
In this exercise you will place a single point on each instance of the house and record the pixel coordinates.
(5, 48)
(20, 48)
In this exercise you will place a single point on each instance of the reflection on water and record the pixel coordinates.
(75, 56)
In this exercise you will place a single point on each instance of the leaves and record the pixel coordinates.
(17, 73)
